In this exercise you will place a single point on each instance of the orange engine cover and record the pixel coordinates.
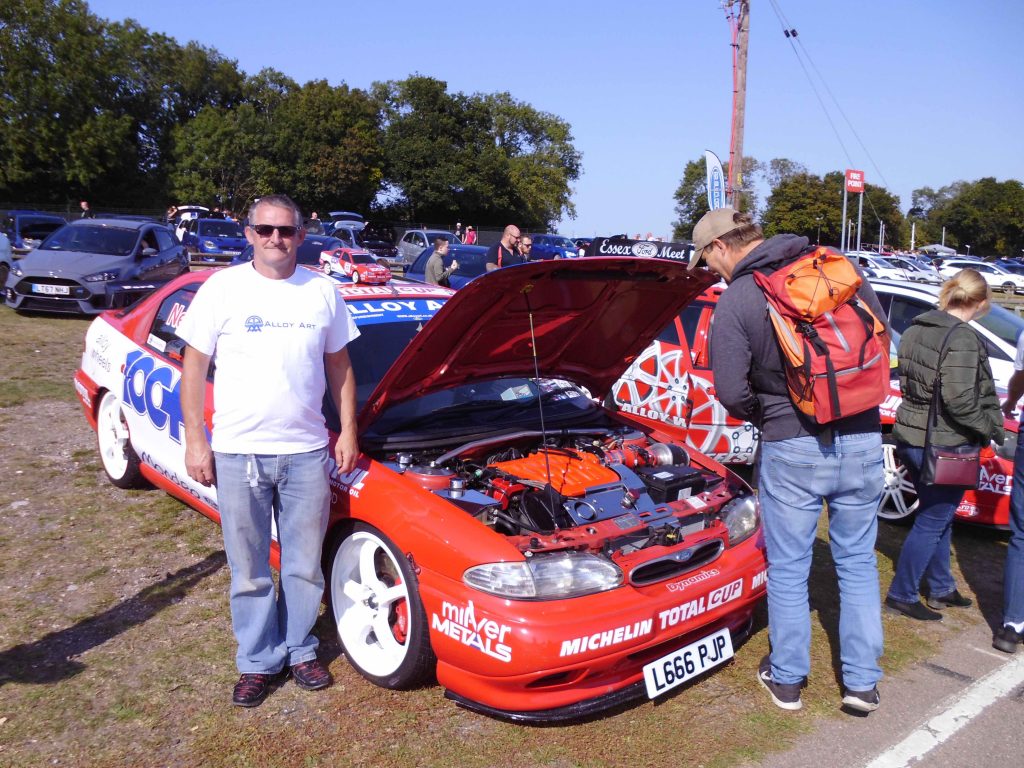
(571, 472)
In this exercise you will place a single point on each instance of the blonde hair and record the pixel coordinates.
(967, 288)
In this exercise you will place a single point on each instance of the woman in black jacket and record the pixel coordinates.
(968, 413)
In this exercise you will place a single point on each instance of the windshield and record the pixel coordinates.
(218, 228)
(432, 236)
(108, 241)
(562, 242)
(1003, 323)
(486, 404)
(363, 258)
(37, 229)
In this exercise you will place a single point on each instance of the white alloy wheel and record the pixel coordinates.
(377, 610)
(356, 277)
(899, 497)
(1009, 287)
(327, 268)
(120, 461)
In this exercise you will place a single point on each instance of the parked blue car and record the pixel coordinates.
(471, 260)
(553, 247)
(213, 240)
(27, 229)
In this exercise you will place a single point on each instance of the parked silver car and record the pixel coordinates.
(91, 265)
(415, 240)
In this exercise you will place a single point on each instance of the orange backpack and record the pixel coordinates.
(834, 349)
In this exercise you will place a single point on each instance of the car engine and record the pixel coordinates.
(599, 489)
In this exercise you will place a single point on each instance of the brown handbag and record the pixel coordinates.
(957, 465)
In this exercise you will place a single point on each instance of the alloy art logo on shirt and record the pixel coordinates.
(256, 324)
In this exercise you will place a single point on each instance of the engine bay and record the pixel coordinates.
(611, 490)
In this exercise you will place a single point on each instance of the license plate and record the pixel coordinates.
(53, 290)
(685, 664)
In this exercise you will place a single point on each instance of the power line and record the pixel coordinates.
(791, 35)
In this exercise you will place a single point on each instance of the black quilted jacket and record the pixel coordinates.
(969, 411)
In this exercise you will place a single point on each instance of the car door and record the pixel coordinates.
(407, 248)
(149, 265)
(173, 256)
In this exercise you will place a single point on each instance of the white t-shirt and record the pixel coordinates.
(1018, 362)
(268, 339)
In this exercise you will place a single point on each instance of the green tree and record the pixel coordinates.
(803, 202)
(691, 198)
(88, 107)
(214, 157)
(484, 158)
(987, 214)
(691, 195)
(327, 146)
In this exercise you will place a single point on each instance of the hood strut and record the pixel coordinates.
(548, 497)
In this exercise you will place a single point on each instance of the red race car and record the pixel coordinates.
(671, 382)
(357, 265)
(541, 555)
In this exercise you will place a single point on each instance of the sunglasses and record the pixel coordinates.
(266, 230)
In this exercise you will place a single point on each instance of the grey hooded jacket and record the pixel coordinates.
(749, 374)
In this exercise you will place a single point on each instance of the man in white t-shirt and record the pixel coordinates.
(1011, 632)
(278, 337)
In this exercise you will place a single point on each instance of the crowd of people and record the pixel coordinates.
(268, 458)
(947, 395)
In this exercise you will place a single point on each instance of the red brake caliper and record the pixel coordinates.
(400, 618)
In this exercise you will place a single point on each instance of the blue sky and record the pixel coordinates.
(932, 87)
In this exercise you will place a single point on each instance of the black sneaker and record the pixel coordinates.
(311, 675)
(1006, 639)
(862, 701)
(785, 695)
(252, 688)
(954, 599)
(914, 610)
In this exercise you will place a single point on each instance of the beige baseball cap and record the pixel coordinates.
(712, 225)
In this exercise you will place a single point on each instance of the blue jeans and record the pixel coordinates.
(925, 551)
(1013, 576)
(796, 476)
(291, 493)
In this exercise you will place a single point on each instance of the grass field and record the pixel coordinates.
(116, 647)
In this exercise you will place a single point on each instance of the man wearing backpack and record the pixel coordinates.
(802, 464)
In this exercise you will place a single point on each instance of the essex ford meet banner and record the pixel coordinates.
(642, 249)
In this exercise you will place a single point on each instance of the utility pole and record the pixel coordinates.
(740, 23)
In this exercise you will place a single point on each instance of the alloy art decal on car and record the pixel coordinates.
(658, 386)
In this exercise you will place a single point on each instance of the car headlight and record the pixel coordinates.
(741, 516)
(16, 270)
(100, 277)
(1008, 448)
(550, 576)
(210, 245)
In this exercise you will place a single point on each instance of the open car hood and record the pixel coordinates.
(590, 318)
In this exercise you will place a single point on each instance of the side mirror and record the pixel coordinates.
(147, 251)
(175, 350)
